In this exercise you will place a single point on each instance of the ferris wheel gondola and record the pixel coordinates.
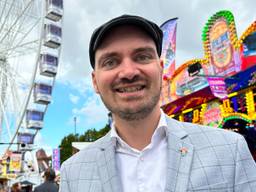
(48, 65)
(30, 41)
(42, 93)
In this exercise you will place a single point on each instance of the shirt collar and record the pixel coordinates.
(158, 135)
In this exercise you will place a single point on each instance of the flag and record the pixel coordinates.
(56, 159)
(169, 47)
(168, 57)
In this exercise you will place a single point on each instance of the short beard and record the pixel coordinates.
(131, 114)
(139, 114)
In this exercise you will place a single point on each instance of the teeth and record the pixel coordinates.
(130, 89)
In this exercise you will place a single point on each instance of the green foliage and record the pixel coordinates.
(66, 146)
(89, 136)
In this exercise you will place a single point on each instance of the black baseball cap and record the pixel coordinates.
(149, 27)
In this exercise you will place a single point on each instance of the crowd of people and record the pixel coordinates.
(50, 184)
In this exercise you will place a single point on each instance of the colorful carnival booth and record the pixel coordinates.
(218, 90)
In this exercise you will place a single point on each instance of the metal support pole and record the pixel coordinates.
(75, 125)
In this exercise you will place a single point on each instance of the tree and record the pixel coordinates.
(66, 146)
(103, 131)
(89, 136)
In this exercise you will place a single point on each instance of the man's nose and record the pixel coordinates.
(128, 70)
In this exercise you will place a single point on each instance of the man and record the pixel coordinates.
(49, 184)
(16, 187)
(145, 149)
(2, 188)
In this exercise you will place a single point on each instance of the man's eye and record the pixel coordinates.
(143, 58)
(109, 63)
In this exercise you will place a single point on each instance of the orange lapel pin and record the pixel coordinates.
(183, 151)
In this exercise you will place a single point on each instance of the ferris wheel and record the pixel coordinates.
(30, 42)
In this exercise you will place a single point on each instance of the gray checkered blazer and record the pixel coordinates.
(217, 160)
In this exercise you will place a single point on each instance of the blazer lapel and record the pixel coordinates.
(180, 156)
(107, 167)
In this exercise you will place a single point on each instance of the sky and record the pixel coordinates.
(73, 95)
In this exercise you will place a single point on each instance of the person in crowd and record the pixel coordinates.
(57, 178)
(16, 187)
(2, 188)
(145, 149)
(49, 184)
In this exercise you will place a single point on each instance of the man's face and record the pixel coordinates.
(128, 73)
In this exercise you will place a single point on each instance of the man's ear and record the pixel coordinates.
(162, 63)
(94, 82)
(162, 66)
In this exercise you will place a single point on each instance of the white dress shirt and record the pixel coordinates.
(143, 171)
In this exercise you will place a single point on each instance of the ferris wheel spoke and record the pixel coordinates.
(22, 52)
(4, 117)
(12, 75)
(22, 49)
(8, 114)
(16, 103)
(24, 35)
(9, 30)
(17, 32)
(3, 8)
(5, 18)
(13, 103)
(3, 81)
(23, 31)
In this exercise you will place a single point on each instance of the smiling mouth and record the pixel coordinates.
(130, 89)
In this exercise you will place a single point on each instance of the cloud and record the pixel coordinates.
(92, 114)
(73, 98)
(40, 143)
